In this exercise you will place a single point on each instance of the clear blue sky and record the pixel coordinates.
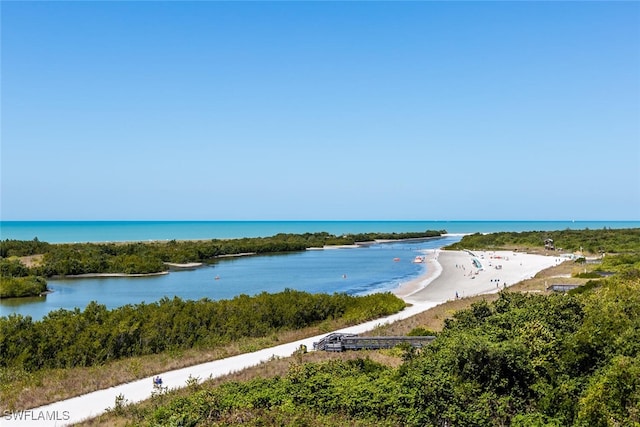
(320, 110)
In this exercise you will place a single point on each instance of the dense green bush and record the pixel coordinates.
(523, 360)
(9, 248)
(64, 338)
(16, 281)
(11, 287)
(627, 265)
(12, 268)
(592, 241)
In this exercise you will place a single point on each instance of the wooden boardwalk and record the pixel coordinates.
(344, 342)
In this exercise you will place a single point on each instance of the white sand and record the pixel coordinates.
(448, 272)
(451, 272)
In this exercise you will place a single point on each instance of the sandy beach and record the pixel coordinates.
(451, 273)
(448, 273)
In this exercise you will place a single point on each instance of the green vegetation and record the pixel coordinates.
(22, 286)
(150, 257)
(591, 241)
(627, 265)
(10, 248)
(198, 250)
(67, 339)
(16, 280)
(523, 360)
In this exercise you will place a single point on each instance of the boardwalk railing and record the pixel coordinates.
(343, 342)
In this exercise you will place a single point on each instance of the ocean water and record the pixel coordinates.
(118, 231)
(351, 270)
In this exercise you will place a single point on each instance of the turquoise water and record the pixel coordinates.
(105, 231)
(367, 269)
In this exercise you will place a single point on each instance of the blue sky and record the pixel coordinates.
(320, 110)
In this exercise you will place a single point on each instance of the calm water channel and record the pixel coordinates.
(354, 271)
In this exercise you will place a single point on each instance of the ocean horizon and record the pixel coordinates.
(123, 231)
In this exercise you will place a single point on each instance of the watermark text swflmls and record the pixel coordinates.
(36, 415)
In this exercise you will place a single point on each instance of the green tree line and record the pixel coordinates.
(22, 286)
(95, 335)
(16, 280)
(605, 240)
(148, 257)
(524, 360)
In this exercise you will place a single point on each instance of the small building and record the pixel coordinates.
(342, 342)
(548, 244)
(562, 287)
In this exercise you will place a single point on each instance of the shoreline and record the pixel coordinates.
(434, 269)
(106, 275)
(459, 274)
